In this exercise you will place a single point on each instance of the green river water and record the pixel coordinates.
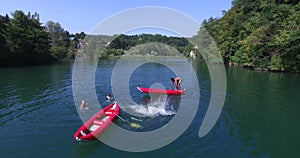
(260, 117)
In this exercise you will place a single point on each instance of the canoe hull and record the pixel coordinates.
(161, 91)
(97, 124)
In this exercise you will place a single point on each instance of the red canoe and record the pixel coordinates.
(97, 124)
(160, 91)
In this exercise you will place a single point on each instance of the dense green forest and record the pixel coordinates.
(25, 41)
(262, 34)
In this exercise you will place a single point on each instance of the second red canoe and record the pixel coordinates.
(161, 91)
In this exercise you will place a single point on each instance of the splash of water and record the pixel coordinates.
(153, 109)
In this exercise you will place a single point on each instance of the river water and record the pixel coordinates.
(260, 117)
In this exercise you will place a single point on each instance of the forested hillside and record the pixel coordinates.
(262, 34)
(117, 45)
(25, 41)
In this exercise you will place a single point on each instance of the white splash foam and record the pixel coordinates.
(152, 110)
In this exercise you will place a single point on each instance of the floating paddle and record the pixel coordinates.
(119, 117)
(135, 125)
(133, 118)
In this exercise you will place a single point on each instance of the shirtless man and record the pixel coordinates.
(176, 81)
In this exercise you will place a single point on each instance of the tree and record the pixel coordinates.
(4, 50)
(27, 40)
(259, 34)
(60, 40)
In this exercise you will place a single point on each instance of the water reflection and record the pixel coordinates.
(261, 110)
